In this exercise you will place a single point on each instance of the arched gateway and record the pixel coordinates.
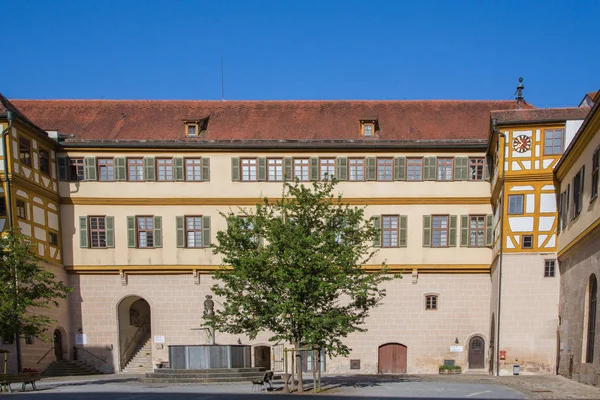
(134, 332)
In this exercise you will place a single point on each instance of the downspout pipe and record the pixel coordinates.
(501, 252)
(5, 132)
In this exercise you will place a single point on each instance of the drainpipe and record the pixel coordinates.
(500, 253)
(5, 133)
(9, 213)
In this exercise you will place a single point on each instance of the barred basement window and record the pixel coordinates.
(549, 268)
(431, 302)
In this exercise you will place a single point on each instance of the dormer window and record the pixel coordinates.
(368, 127)
(195, 127)
(191, 130)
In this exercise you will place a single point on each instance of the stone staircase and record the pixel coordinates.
(141, 362)
(168, 375)
(69, 368)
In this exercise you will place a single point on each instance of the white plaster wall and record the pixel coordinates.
(571, 128)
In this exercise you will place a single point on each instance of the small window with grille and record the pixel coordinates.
(431, 302)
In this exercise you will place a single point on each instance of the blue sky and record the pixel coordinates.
(300, 49)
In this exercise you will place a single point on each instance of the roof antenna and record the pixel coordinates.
(519, 93)
(222, 80)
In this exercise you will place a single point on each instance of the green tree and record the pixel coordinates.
(293, 267)
(25, 288)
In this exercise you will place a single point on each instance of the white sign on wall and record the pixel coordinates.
(159, 339)
(456, 349)
(81, 338)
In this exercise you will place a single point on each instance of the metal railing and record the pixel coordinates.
(126, 355)
(77, 349)
(44, 356)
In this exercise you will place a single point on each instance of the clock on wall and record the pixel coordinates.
(521, 143)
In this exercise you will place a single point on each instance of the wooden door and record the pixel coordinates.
(262, 357)
(392, 358)
(476, 353)
(58, 345)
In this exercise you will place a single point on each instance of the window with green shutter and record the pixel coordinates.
(452, 231)
(206, 169)
(429, 168)
(464, 230)
(376, 220)
(83, 232)
(149, 169)
(235, 169)
(399, 168)
(121, 169)
(262, 169)
(371, 164)
(288, 173)
(314, 168)
(342, 168)
(489, 235)
(205, 231)
(179, 169)
(89, 168)
(426, 230)
(461, 168)
(403, 242)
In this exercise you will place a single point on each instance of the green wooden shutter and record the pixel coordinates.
(488, 230)
(582, 180)
(179, 170)
(452, 231)
(486, 168)
(461, 168)
(83, 233)
(262, 169)
(426, 230)
(568, 202)
(371, 163)
(206, 169)
(464, 230)
(120, 169)
(314, 168)
(206, 231)
(399, 168)
(110, 232)
(180, 224)
(377, 224)
(149, 169)
(63, 169)
(342, 168)
(89, 169)
(131, 233)
(157, 232)
(288, 173)
(429, 168)
(403, 236)
(235, 169)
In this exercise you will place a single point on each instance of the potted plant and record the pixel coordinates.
(450, 370)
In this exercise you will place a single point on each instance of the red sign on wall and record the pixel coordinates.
(503, 354)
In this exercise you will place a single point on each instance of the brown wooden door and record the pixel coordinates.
(58, 345)
(392, 358)
(476, 353)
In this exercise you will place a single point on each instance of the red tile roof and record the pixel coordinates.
(539, 115)
(109, 120)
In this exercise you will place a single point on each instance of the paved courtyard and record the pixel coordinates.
(123, 387)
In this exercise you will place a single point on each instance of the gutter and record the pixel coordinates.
(5, 132)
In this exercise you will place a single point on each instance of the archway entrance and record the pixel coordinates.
(134, 332)
(58, 351)
(392, 358)
(262, 357)
(476, 353)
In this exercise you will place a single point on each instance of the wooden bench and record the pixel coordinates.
(23, 378)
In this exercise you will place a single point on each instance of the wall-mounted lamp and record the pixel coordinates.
(456, 340)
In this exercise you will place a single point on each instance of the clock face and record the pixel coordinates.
(522, 143)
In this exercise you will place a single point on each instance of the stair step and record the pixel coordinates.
(211, 370)
(198, 380)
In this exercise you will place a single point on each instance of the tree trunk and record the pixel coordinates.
(299, 367)
(314, 366)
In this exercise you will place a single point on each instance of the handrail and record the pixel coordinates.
(89, 352)
(133, 340)
(44, 356)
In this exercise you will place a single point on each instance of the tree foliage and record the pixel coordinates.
(25, 287)
(293, 267)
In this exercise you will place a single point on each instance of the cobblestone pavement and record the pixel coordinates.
(532, 387)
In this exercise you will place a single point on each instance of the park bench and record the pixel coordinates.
(23, 378)
(267, 378)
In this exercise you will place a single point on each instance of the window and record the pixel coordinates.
(578, 181)
(191, 130)
(29, 339)
(389, 230)
(367, 128)
(591, 320)
(444, 169)
(301, 169)
(135, 169)
(414, 169)
(549, 268)
(165, 169)
(193, 169)
(44, 161)
(327, 168)
(515, 204)
(76, 169)
(384, 169)
(357, 169)
(24, 151)
(527, 242)
(476, 230)
(275, 169)
(21, 209)
(193, 231)
(97, 232)
(248, 169)
(431, 302)
(553, 141)
(53, 238)
(439, 231)
(106, 169)
(594, 192)
(145, 232)
(476, 169)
